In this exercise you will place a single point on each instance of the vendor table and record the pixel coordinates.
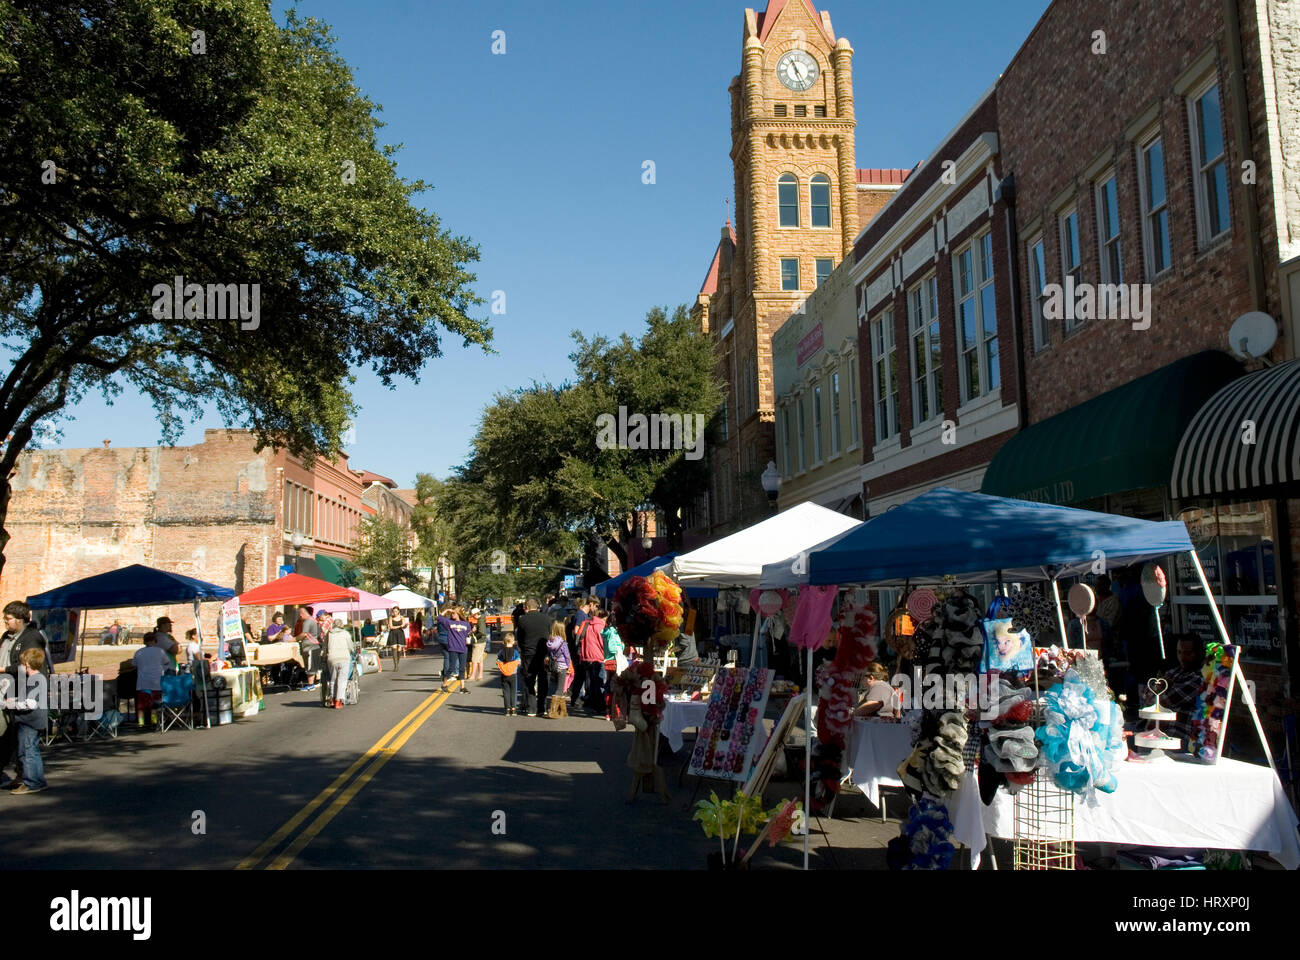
(680, 715)
(1180, 803)
(876, 749)
(245, 685)
(269, 654)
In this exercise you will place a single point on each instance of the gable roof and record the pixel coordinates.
(767, 19)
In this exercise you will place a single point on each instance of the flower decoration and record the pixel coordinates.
(1081, 737)
(1212, 702)
(634, 683)
(648, 609)
(924, 840)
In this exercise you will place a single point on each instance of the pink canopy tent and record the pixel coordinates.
(366, 604)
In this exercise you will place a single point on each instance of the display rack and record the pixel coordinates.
(1044, 826)
(1153, 739)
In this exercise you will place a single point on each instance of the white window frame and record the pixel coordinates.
(803, 463)
(784, 180)
(931, 379)
(797, 279)
(1034, 269)
(1106, 243)
(837, 442)
(1063, 239)
(983, 362)
(882, 347)
(854, 429)
(1201, 166)
(1148, 213)
(817, 425)
(830, 202)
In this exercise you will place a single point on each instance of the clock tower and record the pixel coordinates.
(799, 206)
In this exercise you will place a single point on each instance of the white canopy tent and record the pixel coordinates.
(407, 599)
(738, 560)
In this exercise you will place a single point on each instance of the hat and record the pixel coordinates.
(323, 614)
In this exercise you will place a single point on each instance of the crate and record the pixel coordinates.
(221, 707)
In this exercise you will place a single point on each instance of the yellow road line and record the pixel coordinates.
(343, 799)
(254, 858)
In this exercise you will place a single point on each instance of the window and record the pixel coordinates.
(819, 110)
(977, 321)
(884, 362)
(927, 374)
(802, 448)
(853, 400)
(821, 200)
(835, 414)
(778, 110)
(1108, 250)
(825, 266)
(723, 418)
(800, 111)
(1038, 280)
(1210, 158)
(1070, 260)
(785, 438)
(1155, 207)
(787, 191)
(817, 425)
(790, 274)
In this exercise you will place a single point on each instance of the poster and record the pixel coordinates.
(231, 626)
(727, 741)
(60, 629)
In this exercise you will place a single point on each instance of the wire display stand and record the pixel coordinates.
(1044, 826)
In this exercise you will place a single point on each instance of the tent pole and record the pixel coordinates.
(753, 646)
(1236, 670)
(807, 762)
(198, 630)
(1060, 617)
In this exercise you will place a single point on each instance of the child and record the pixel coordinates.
(150, 664)
(615, 663)
(508, 663)
(31, 717)
(557, 646)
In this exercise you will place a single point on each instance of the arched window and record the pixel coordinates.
(787, 189)
(821, 200)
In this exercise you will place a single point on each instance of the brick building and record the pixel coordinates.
(936, 331)
(220, 511)
(799, 201)
(1167, 163)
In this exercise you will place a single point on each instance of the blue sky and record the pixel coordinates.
(536, 155)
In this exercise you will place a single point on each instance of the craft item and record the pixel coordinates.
(1007, 649)
(923, 842)
(812, 619)
(1153, 739)
(921, 604)
(1153, 588)
(1212, 705)
(727, 743)
(1081, 737)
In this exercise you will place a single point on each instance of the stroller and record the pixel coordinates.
(351, 690)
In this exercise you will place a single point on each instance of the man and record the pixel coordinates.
(1185, 684)
(151, 662)
(307, 633)
(112, 635)
(163, 639)
(572, 628)
(19, 634)
(1108, 606)
(531, 631)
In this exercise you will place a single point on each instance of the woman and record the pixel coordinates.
(415, 633)
(396, 628)
(453, 663)
(477, 647)
(880, 698)
(274, 629)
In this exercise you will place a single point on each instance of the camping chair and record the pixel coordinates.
(177, 702)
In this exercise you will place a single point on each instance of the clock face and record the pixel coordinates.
(797, 70)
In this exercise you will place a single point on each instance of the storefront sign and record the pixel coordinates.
(809, 345)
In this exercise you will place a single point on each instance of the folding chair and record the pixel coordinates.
(177, 702)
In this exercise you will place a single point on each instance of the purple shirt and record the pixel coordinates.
(458, 632)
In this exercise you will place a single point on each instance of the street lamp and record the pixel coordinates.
(296, 540)
(771, 482)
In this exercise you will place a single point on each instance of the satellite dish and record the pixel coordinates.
(1082, 600)
(1252, 335)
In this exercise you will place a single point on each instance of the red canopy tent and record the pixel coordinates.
(294, 588)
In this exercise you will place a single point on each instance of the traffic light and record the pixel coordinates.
(539, 568)
(518, 569)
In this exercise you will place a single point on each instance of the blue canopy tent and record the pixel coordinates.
(133, 586)
(610, 587)
(981, 538)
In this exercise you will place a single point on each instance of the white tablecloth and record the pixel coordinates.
(1230, 805)
(680, 715)
(875, 751)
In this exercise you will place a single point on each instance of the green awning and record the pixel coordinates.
(1124, 439)
(331, 569)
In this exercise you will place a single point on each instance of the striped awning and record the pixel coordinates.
(1245, 437)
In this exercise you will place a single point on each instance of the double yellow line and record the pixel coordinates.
(385, 749)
